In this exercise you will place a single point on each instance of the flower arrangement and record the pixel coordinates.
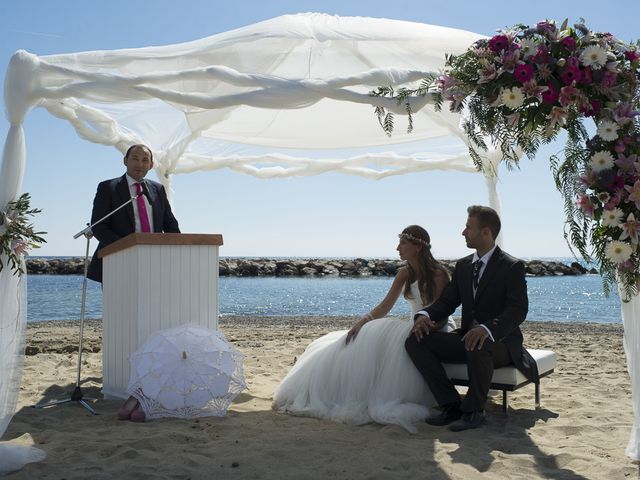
(16, 233)
(525, 84)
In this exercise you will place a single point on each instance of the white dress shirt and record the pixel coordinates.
(133, 192)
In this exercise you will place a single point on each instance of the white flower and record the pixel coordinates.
(528, 47)
(612, 218)
(608, 130)
(617, 251)
(601, 161)
(512, 97)
(594, 56)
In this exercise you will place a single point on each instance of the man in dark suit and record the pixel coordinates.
(491, 287)
(149, 212)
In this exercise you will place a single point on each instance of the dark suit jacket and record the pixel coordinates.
(110, 195)
(501, 303)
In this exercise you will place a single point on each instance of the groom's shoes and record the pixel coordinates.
(450, 413)
(468, 421)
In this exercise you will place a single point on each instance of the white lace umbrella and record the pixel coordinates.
(186, 372)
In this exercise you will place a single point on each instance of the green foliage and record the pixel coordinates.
(17, 235)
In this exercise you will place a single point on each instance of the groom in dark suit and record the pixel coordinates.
(149, 212)
(491, 287)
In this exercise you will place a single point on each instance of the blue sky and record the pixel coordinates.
(326, 215)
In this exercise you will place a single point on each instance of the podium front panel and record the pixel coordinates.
(149, 288)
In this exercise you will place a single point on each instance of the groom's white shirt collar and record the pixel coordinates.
(485, 258)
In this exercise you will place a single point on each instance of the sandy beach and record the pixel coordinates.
(580, 432)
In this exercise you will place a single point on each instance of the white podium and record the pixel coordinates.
(153, 281)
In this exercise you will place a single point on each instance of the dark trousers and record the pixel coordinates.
(437, 348)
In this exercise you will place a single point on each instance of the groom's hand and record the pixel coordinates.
(474, 338)
(422, 326)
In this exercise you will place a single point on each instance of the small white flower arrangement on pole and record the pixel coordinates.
(17, 235)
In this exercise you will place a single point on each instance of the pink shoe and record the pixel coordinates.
(127, 408)
(138, 415)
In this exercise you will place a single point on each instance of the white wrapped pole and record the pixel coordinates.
(631, 321)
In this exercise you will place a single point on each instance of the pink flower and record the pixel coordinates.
(523, 72)
(568, 95)
(487, 73)
(585, 204)
(570, 75)
(614, 201)
(569, 43)
(19, 247)
(445, 82)
(634, 193)
(498, 43)
(550, 95)
(558, 116)
(532, 89)
(630, 229)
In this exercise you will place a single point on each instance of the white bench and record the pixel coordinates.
(509, 378)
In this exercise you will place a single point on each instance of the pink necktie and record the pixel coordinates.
(142, 210)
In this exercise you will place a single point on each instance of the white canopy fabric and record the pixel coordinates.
(284, 97)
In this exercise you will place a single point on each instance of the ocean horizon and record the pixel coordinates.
(575, 299)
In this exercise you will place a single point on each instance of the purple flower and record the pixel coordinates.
(631, 55)
(626, 163)
(498, 43)
(617, 183)
(542, 56)
(546, 28)
(592, 108)
(570, 75)
(586, 76)
(523, 72)
(550, 95)
(624, 113)
(569, 43)
(609, 79)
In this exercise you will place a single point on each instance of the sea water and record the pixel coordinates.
(559, 298)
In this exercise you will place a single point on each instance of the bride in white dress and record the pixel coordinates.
(364, 374)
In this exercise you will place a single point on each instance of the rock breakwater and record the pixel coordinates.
(270, 267)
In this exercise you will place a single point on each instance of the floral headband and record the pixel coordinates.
(411, 238)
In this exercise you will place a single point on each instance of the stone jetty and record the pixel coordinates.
(318, 267)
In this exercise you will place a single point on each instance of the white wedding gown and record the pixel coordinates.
(370, 380)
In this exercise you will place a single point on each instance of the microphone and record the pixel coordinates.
(145, 191)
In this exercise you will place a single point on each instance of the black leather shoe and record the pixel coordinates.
(468, 421)
(450, 413)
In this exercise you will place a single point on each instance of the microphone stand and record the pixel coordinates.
(77, 395)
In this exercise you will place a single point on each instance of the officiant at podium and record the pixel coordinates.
(148, 212)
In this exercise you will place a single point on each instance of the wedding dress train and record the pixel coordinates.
(370, 380)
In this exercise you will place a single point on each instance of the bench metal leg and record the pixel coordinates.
(537, 395)
(505, 402)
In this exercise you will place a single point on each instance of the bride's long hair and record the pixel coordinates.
(427, 265)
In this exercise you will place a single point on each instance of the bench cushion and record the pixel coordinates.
(509, 375)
